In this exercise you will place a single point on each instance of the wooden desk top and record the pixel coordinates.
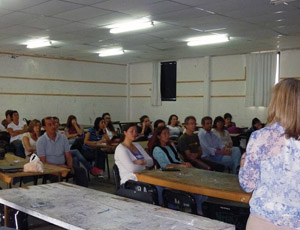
(204, 182)
(18, 161)
(73, 207)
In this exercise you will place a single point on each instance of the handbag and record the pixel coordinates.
(34, 165)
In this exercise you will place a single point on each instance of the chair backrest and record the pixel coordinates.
(135, 190)
(116, 176)
(179, 200)
(78, 143)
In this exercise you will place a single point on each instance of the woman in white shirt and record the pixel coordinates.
(221, 132)
(30, 138)
(130, 157)
(175, 127)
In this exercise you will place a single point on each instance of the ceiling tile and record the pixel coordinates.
(108, 19)
(15, 18)
(121, 5)
(18, 30)
(86, 2)
(19, 4)
(82, 13)
(43, 22)
(71, 27)
(52, 7)
(156, 8)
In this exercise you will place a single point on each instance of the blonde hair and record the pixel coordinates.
(284, 107)
(33, 123)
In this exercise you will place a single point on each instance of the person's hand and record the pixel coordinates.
(243, 160)
(188, 165)
(73, 122)
(140, 162)
(227, 151)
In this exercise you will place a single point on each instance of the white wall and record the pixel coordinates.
(290, 64)
(85, 99)
(212, 86)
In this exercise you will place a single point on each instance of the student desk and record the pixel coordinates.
(72, 207)
(11, 159)
(192, 180)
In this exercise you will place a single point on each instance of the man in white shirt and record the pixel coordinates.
(16, 128)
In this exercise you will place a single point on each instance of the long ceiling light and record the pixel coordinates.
(111, 52)
(131, 26)
(37, 43)
(206, 40)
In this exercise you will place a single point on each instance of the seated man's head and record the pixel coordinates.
(190, 123)
(256, 124)
(206, 123)
(49, 125)
(56, 123)
(14, 116)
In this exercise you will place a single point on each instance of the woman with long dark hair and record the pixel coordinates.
(92, 143)
(72, 130)
(221, 132)
(174, 126)
(271, 165)
(130, 157)
(165, 152)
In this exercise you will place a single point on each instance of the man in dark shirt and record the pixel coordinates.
(190, 149)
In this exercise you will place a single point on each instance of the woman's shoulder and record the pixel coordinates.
(273, 129)
(26, 134)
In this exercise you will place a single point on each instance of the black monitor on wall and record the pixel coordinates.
(168, 76)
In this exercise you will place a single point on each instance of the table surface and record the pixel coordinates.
(11, 159)
(73, 207)
(204, 182)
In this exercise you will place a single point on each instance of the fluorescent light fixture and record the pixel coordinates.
(140, 24)
(276, 2)
(111, 52)
(37, 43)
(206, 40)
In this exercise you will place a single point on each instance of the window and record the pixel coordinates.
(168, 76)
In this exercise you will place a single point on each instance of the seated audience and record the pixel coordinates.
(53, 148)
(145, 129)
(220, 131)
(165, 152)
(78, 157)
(190, 149)
(8, 118)
(270, 168)
(214, 150)
(174, 126)
(130, 157)
(30, 138)
(110, 130)
(16, 128)
(92, 143)
(73, 130)
(157, 123)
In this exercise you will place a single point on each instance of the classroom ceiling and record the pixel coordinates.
(78, 28)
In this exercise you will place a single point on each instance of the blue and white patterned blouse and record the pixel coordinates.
(272, 172)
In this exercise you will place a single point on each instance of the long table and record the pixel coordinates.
(72, 207)
(11, 159)
(204, 182)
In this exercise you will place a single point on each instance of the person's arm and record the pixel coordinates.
(69, 136)
(78, 130)
(14, 133)
(27, 146)
(250, 165)
(92, 144)
(69, 161)
(147, 158)
(122, 155)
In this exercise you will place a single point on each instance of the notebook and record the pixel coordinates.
(11, 168)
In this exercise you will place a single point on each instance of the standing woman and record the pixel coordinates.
(73, 129)
(92, 143)
(30, 138)
(271, 166)
(174, 126)
(130, 157)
